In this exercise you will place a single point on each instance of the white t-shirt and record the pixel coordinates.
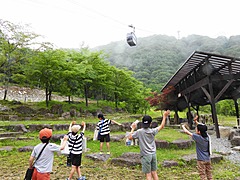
(45, 162)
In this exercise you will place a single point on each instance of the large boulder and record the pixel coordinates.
(224, 131)
(161, 144)
(98, 157)
(235, 141)
(182, 144)
(127, 159)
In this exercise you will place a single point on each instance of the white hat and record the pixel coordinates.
(75, 128)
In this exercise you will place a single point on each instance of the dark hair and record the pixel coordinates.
(45, 140)
(101, 116)
(203, 130)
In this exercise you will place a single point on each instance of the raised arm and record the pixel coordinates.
(64, 142)
(84, 126)
(134, 126)
(165, 115)
(195, 119)
(70, 126)
(186, 131)
(116, 122)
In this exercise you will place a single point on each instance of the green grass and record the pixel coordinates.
(14, 162)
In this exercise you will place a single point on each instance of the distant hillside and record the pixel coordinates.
(156, 58)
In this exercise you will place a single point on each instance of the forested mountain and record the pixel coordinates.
(156, 58)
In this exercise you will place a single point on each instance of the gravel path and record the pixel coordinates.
(223, 146)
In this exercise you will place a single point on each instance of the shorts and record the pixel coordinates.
(40, 176)
(105, 137)
(149, 163)
(76, 159)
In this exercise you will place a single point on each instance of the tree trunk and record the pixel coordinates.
(69, 99)
(50, 95)
(5, 94)
(46, 94)
(86, 94)
(116, 100)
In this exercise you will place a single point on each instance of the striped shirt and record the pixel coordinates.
(103, 126)
(75, 143)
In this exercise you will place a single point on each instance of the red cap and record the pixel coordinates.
(47, 133)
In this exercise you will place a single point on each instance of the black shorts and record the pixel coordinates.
(105, 137)
(76, 159)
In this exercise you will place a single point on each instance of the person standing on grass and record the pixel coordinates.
(203, 149)
(146, 139)
(104, 131)
(75, 144)
(43, 166)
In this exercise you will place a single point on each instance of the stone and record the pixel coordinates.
(224, 131)
(7, 138)
(6, 148)
(57, 109)
(235, 141)
(161, 144)
(169, 163)
(127, 159)
(236, 148)
(38, 127)
(24, 110)
(57, 137)
(26, 149)
(10, 134)
(117, 138)
(98, 157)
(233, 132)
(182, 144)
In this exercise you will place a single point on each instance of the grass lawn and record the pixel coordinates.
(14, 163)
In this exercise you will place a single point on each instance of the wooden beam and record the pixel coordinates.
(223, 90)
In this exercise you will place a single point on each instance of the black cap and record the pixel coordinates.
(146, 121)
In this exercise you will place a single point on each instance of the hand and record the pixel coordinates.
(166, 113)
(65, 138)
(184, 128)
(195, 118)
(134, 125)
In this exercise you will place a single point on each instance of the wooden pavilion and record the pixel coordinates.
(204, 78)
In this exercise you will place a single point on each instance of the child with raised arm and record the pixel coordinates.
(146, 137)
(75, 143)
(43, 165)
(203, 143)
(104, 131)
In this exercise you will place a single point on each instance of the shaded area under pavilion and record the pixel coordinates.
(204, 79)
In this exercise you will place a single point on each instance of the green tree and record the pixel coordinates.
(13, 40)
(45, 70)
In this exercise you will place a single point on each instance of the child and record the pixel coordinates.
(147, 145)
(202, 148)
(75, 143)
(104, 131)
(43, 165)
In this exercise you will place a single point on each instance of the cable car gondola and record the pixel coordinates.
(131, 37)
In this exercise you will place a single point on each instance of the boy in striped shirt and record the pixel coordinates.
(104, 131)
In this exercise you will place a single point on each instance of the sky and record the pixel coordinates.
(73, 23)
